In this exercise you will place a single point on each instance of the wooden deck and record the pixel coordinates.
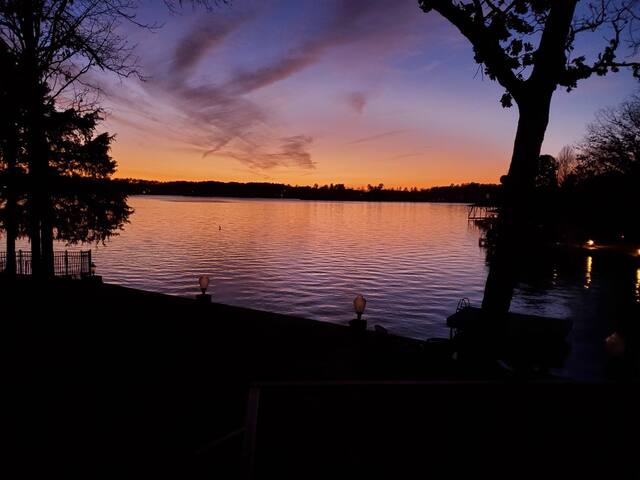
(518, 338)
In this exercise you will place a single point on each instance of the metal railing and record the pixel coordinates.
(75, 264)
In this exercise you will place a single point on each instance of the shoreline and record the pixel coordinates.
(295, 199)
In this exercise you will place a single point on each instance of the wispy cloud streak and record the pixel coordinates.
(204, 37)
(378, 136)
(223, 118)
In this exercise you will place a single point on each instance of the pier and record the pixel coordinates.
(477, 212)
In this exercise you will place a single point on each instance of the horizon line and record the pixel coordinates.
(350, 187)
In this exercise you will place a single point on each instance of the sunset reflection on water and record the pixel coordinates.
(412, 261)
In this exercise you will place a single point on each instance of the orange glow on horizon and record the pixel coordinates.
(301, 181)
(351, 170)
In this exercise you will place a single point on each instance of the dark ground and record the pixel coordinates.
(109, 382)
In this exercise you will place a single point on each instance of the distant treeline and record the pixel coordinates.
(464, 193)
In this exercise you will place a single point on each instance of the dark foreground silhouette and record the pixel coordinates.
(109, 382)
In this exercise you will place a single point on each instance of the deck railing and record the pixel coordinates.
(76, 264)
(482, 212)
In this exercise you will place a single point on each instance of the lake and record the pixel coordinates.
(412, 261)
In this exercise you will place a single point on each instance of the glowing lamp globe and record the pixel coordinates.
(204, 283)
(359, 304)
(591, 243)
(615, 345)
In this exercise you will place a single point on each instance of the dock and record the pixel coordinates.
(523, 340)
(482, 213)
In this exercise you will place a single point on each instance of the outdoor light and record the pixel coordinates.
(93, 268)
(204, 283)
(203, 297)
(359, 304)
(591, 243)
(614, 344)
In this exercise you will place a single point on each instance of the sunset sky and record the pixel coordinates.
(304, 92)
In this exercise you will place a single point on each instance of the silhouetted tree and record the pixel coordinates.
(55, 43)
(528, 47)
(566, 164)
(547, 175)
(87, 206)
(612, 142)
(603, 190)
(9, 150)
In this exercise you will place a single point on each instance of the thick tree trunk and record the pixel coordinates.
(41, 230)
(46, 228)
(513, 226)
(534, 103)
(37, 187)
(34, 223)
(39, 199)
(11, 210)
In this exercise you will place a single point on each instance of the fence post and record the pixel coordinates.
(66, 263)
(20, 260)
(89, 262)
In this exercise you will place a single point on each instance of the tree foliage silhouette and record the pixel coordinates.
(612, 142)
(53, 44)
(528, 47)
(87, 207)
(9, 151)
(566, 164)
(603, 186)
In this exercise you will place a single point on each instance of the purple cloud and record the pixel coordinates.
(292, 152)
(223, 119)
(207, 34)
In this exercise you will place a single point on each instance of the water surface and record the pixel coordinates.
(412, 261)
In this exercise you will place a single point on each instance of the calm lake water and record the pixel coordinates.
(412, 261)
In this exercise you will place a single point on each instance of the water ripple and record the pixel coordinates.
(413, 262)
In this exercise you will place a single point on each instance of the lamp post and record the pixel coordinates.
(203, 281)
(359, 304)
